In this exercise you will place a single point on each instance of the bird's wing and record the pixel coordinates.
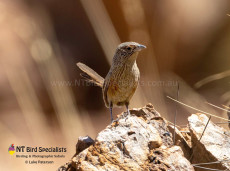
(105, 91)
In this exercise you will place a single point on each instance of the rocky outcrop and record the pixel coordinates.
(140, 141)
(143, 141)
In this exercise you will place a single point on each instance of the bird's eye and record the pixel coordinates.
(128, 48)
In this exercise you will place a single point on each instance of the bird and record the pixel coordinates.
(122, 80)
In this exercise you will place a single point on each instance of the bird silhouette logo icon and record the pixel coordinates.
(11, 149)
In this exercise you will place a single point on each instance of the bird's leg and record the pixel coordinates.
(111, 111)
(127, 107)
(229, 116)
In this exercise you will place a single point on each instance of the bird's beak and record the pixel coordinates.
(140, 47)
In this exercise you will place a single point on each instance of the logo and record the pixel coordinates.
(11, 149)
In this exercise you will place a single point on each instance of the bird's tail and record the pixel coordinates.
(90, 75)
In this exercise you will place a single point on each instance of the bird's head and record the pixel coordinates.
(127, 51)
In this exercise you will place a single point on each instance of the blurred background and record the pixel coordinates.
(43, 100)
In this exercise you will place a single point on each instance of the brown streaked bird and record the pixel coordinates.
(122, 79)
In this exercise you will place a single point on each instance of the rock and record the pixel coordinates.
(83, 143)
(214, 145)
(170, 158)
(183, 140)
(140, 141)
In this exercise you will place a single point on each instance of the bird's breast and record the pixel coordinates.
(123, 84)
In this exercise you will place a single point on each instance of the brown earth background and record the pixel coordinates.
(44, 102)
